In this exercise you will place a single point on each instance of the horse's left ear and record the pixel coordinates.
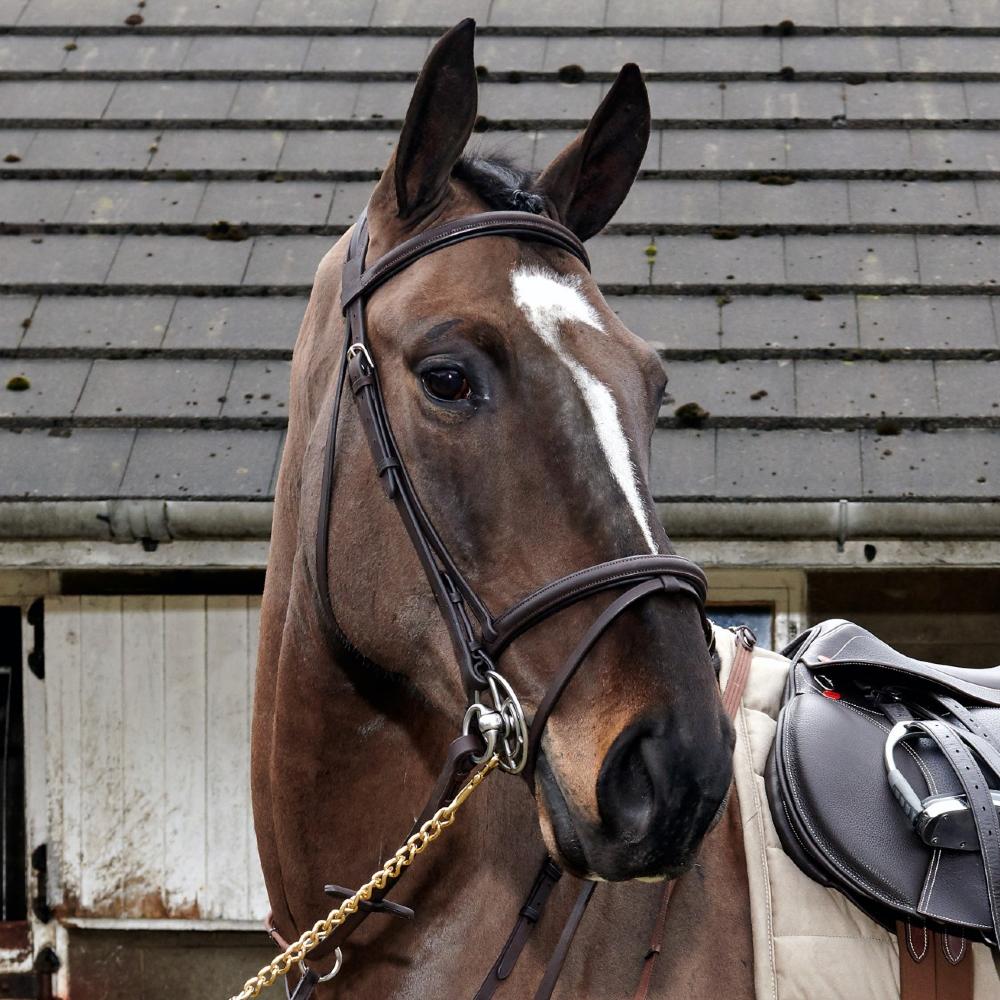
(589, 179)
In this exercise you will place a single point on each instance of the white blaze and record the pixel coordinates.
(548, 299)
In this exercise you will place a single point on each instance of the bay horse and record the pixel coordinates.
(523, 411)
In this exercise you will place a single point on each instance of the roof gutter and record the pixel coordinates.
(129, 521)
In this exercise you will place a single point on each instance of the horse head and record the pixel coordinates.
(523, 410)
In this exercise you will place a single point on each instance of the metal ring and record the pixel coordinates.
(303, 968)
(514, 756)
(475, 712)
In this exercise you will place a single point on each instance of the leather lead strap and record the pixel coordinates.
(732, 698)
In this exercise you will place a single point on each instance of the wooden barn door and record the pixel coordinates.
(147, 718)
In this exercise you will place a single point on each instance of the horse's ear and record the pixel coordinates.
(438, 124)
(589, 179)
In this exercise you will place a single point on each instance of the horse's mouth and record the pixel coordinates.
(586, 851)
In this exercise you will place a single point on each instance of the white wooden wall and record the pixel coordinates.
(147, 718)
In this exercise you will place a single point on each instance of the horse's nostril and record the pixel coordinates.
(632, 780)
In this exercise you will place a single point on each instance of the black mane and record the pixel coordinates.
(501, 184)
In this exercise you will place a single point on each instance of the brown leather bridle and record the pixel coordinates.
(494, 721)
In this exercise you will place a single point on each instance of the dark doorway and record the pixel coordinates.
(942, 615)
(13, 854)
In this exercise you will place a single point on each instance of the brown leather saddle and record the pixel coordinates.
(884, 782)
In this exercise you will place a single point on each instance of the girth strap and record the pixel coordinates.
(933, 966)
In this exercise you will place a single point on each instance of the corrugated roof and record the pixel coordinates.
(822, 185)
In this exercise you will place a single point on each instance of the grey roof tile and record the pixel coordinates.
(783, 99)
(687, 260)
(15, 143)
(89, 324)
(419, 12)
(134, 202)
(289, 203)
(201, 463)
(209, 149)
(34, 201)
(287, 260)
(809, 464)
(969, 388)
(124, 53)
(54, 387)
(89, 149)
(195, 12)
(356, 53)
(909, 100)
(959, 260)
(686, 322)
(56, 259)
(935, 149)
(744, 54)
(179, 260)
(865, 389)
(977, 13)
(921, 322)
(950, 463)
(235, 324)
(258, 389)
(684, 101)
(949, 55)
(350, 13)
(240, 52)
(671, 201)
(10, 11)
(155, 388)
(823, 54)
(804, 12)
(589, 13)
(683, 464)
(602, 55)
(793, 323)
(914, 202)
(349, 198)
(141, 99)
(922, 13)
(15, 318)
(732, 389)
(351, 151)
(816, 202)
(512, 100)
(982, 99)
(713, 149)
(44, 54)
(655, 13)
(75, 12)
(63, 464)
(851, 259)
(54, 98)
(863, 149)
(296, 100)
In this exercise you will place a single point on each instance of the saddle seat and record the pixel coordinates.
(844, 641)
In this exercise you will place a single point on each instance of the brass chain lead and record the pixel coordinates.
(403, 858)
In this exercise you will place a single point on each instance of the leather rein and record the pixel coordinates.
(494, 722)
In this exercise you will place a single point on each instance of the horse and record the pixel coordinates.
(523, 410)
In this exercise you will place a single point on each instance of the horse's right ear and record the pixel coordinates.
(437, 127)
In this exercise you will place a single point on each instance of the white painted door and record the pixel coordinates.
(147, 720)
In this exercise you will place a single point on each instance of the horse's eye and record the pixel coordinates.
(447, 383)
